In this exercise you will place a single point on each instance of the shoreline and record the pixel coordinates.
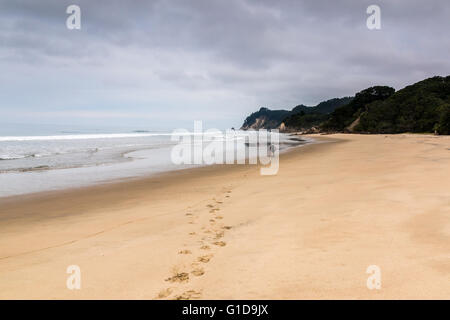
(225, 232)
(130, 164)
(170, 174)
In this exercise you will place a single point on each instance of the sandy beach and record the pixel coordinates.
(226, 232)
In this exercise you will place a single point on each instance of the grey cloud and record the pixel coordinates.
(214, 53)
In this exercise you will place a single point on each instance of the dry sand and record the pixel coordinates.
(226, 232)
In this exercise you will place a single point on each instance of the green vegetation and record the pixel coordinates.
(305, 121)
(423, 107)
(324, 107)
(265, 118)
(344, 116)
(443, 126)
(304, 118)
(300, 117)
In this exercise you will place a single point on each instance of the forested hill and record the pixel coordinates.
(423, 107)
(271, 119)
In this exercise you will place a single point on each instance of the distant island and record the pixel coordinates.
(423, 107)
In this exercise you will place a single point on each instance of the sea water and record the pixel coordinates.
(33, 163)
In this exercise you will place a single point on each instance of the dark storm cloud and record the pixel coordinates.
(222, 57)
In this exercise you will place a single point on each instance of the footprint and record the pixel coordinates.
(187, 295)
(205, 259)
(185, 252)
(210, 206)
(205, 247)
(226, 227)
(219, 234)
(164, 293)
(179, 277)
(218, 217)
(192, 233)
(198, 272)
(220, 243)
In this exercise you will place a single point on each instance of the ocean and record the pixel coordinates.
(34, 163)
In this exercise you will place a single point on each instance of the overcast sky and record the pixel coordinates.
(164, 64)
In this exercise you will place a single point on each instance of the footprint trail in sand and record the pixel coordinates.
(207, 233)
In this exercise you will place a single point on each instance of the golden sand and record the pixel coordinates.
(226, 232)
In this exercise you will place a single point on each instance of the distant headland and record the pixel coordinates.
(423, 107)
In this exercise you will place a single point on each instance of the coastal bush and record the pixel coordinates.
(304, 118)
(421, 107)
(304, 121)
(443, 126)
(345, 115)
(269, 119)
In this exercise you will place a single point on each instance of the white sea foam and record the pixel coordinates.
(81, 136)
(48, 162)
(93, 136)
(11, 156)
